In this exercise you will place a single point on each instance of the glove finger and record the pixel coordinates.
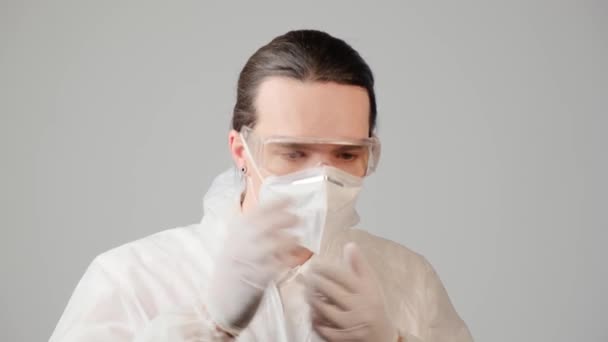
(334, 292)
(340, 276)
(356, 261)
(284, 245)
(269, 208)
(276, 221)
(330, 333)
(329, 313)
(274, 250)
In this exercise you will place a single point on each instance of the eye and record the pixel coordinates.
(294, 155)
(347, 156)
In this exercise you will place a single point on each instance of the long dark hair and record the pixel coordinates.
(305, 55)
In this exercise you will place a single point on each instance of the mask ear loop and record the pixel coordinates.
(254, 166)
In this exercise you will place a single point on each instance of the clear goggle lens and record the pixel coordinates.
(280, 155)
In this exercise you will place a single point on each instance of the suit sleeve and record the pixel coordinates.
(443, 322)
(100, 310)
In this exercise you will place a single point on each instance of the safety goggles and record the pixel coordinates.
(280, 155)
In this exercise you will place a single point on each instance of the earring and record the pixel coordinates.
(244, 169)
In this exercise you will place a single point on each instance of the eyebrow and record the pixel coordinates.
(351, 147)
(302, 146)
(292, 145)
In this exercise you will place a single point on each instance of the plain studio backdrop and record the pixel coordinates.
(493, 118)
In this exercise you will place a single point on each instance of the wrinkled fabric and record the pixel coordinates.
(154, 289)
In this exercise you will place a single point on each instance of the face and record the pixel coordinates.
(293, 108)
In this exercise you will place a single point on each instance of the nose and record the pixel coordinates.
(324, 160)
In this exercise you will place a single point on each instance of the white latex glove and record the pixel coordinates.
(257, 248)
(346, 301)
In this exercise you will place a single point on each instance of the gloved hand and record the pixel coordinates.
(257, 248)
(346, 301)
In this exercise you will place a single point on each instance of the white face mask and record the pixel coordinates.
(323, 197)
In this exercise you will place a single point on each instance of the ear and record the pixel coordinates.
(237, 150)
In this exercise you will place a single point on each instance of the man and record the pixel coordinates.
(276, 256)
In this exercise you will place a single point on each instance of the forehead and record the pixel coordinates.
(285, 106)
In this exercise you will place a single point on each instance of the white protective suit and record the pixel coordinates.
(153, 289)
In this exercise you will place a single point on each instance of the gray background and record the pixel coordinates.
(114, 117)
